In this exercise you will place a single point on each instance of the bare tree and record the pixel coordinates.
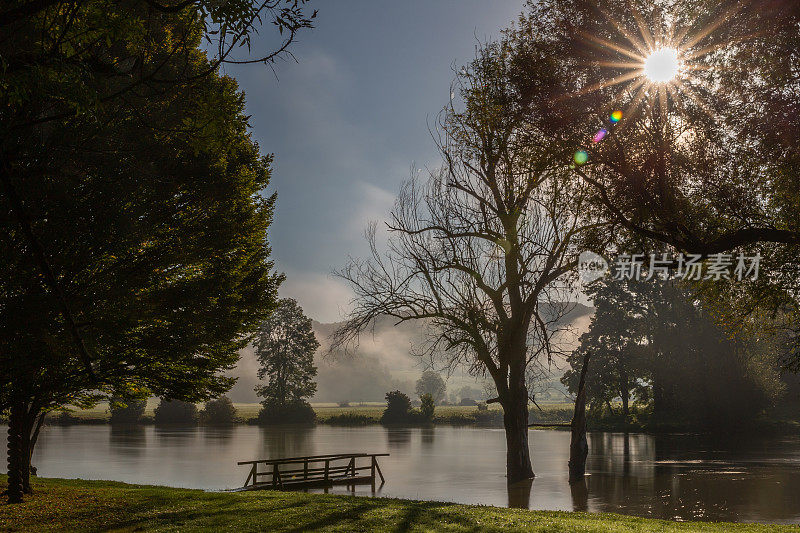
(481, 250)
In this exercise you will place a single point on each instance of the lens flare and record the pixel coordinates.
(581, 157)
(600, 135)
(616, 116)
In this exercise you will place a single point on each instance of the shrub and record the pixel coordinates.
(175, 412)
(219, 412)
(297, 412)
(398, 408)
(427, 407)
(483, 407)
(467, 401)
(344, 403)
(127, 411)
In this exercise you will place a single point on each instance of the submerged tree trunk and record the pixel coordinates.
(579, 446)
(518, 455)
(515, 420)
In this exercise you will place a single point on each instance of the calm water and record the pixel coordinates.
(677, 477)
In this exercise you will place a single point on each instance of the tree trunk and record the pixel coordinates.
(625, 407)
(578, 445)
(15, 453)
(518, 454)
(30, 432)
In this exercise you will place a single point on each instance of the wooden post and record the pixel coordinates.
(378, 467)
(275, 475)
(579, 446)
(251, 475)
(305, 470)
(372, 469)
(327, 467)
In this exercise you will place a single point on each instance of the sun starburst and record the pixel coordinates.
(652, 61)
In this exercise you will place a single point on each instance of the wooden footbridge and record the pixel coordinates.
(313, 471)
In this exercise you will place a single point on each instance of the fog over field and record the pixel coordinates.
(383, 361)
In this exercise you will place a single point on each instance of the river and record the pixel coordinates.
(680, 477)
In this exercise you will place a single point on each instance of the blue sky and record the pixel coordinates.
(349, 119)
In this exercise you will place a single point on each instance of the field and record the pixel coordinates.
(77, 505)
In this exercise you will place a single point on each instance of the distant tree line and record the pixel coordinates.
(660, 358)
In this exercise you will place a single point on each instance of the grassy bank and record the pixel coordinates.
(75, 505)
(353, 415)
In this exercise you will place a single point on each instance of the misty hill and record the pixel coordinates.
(382, 362)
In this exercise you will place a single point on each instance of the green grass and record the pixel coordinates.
(76, 505)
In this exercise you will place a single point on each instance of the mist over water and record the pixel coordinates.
(680, 477)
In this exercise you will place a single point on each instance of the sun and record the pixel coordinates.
(647, 61)
(662, 65)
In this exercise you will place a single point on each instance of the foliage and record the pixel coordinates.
(694, 167)
(219, 411)
(175, 412)
(291, 412)
(654, 340)
(127, 411)
(398, 408)
(431, 383)
(428, 407)
(285, 345)
(133, 229)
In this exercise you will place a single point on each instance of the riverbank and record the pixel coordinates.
(354, 415)
(77, 505)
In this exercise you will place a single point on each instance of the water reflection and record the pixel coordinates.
(128, 439)
(399, 437)
(286, 441)
(675, 476)
(428, 436)
(580, 495)
(519, 494)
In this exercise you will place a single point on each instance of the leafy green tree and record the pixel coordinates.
(175, 412)
(398, 408)
(431, 383)
(219, 411)
(163, 259)
(127, 411)
(428, 407)
(285, 345)
(122, 149)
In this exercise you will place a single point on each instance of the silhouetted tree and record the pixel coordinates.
(481, 246)
(694, 163)
(431, 383)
